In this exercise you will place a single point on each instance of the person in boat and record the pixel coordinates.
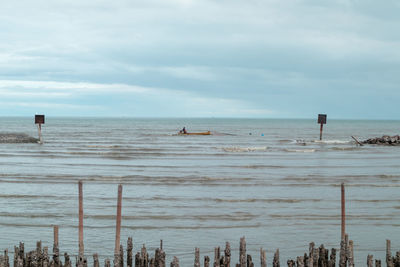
(184, 130)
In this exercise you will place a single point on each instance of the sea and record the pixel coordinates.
(270, 180)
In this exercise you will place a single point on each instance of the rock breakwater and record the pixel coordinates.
(384, 140)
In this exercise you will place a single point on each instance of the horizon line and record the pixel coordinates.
(172, 117)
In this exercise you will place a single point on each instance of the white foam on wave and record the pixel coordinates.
(301, 150)
(332, 141)
(244, 149)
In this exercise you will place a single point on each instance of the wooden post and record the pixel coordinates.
(389, 259)
(370, 261)
(227, 258)
(196, 257)
(55, 231)
(217, 254)
(118, 224)
(175, 262)
(96, 260)
(299, 262)
(81, 247)
(242, 253)
(263, 258)
(351, 254)
(129, 253)
(332, 258)
(342, 257)
(206, 261)
(56, 251)
(343, 208)
(275, 262)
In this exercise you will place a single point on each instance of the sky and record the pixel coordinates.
(200, 58)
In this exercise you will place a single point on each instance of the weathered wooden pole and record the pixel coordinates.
(118, 224)
(81, 247)
(242, 253)
(370, 261)
(263, 257)
(227, 258)
(196, 257)
(56, 251)
(129, 253)
(175, 262)
(96, 260)
(55, 230)
(351, 254)
(217, 255)
(206, 261)
(275, 262)
(343, 208)
(389, 259)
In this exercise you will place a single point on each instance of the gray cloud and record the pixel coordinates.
(295, 58)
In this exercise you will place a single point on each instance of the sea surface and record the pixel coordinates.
(269, 180)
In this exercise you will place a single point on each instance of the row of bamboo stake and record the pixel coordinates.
(317, 257)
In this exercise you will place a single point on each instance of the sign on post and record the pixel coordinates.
(39, 120)
(322, 121)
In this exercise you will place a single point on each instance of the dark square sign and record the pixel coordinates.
(39, 119)
(322, 118)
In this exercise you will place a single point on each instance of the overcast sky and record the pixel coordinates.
(190, 58)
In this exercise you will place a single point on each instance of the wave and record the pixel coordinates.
(244, 149)
(300, 150)
(346, 148)
(332, 141)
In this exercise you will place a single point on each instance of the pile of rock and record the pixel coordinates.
(17, 138)
(384, 140)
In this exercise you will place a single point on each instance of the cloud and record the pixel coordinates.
(271, 57)
(117, 99)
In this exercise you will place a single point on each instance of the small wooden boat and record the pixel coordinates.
(200, 133)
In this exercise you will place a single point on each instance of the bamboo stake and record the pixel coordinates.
(343, 207)
(118, 224)
(55, 230)
(81, 247)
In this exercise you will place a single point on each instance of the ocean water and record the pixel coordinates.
(271, 181)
